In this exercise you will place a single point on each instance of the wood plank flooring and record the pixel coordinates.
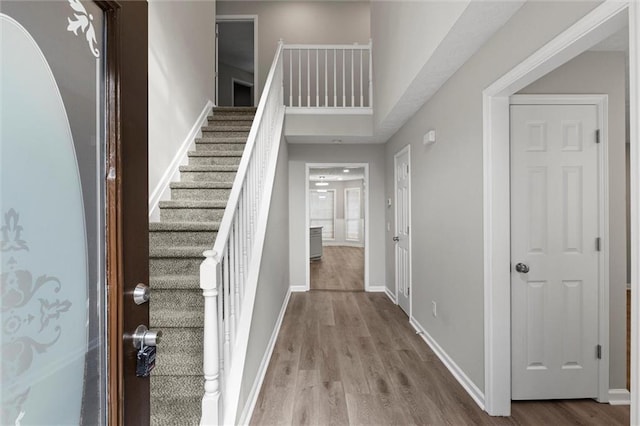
(341, 268)
(351, 358)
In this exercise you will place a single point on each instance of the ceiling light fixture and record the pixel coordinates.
(346, 171)
(322, 183)
(321, 190)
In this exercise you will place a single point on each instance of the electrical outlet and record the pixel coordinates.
(434, 309)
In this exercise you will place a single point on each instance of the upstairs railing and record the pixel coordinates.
(228, 275)
(328, 76)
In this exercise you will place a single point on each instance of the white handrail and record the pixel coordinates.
(316, 67)
(228, 274)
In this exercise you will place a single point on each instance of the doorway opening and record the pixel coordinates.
(599, 25)
(337, 223)
(236, 60)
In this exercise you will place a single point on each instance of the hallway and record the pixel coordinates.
(340, 268)
(352, 358)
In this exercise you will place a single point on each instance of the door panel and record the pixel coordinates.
(402, 245)
(52, 209)
(554, 226)
(67, 199)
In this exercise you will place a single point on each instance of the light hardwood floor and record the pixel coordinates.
(341, 268)
(352, 358)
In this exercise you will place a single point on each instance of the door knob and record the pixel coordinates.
(145, 337)
(396, 239)
(522, 268)
(141, 294)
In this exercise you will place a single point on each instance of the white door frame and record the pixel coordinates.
(597, 25)
(309, 166)
(406, 149)
(601, 102)
(243, 18)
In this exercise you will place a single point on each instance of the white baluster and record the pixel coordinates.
(209, 279)
(344, 72)
(299, 77)
(353, 102)
(361, 77)
(326, 87)
(335, 83)
(370, 72)
(226, 292)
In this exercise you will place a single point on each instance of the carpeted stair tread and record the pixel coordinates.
(186, 340)
(177, 385)
(212, 169)
(201, 185)
(221, 139)
(222, 129)
(215, 154)
(231, 109)
(192, 204)
(230, 117)
(177, 308)
(176, 411)
(176, 252)
(184, 226)
(182, 282)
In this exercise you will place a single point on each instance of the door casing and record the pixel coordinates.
(365, 199)
(601, 103)
(407, 150)
(600, 23)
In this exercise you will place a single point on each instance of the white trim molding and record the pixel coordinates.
(600, 23)
(390, 295)
(457, 372)
(619, 397)
(162, 191)
(247, 412)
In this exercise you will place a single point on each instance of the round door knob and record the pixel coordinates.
(522, 268)
(145, 337)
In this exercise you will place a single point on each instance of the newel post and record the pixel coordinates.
(210, 273)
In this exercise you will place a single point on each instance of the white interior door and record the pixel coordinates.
(554, 234)
(403, 227)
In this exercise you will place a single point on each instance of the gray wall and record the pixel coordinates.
(405, 33)
(604, 73)
(316, 22)
(273, 281)
(181, 75)
(225, 75)
(447, 206)
(299, 155)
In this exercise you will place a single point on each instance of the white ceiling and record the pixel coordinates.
(235, 44)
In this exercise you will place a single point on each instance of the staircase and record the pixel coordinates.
(188, 225)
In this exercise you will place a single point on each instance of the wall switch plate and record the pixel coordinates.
(429, 138)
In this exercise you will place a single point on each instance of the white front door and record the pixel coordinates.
(403, 227)
(554, 234)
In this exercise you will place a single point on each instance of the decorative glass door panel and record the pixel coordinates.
(52, 212)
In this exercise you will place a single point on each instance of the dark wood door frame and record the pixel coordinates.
(126, 198)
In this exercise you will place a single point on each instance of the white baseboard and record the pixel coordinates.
(342, 244)
(377, 288)
(162, 191)
(298, 288)
(619, 397)
(390, 295)
(454, 369)
(247, 412)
